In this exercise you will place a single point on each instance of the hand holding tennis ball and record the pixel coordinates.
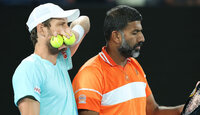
(56, 41)
(69, 41)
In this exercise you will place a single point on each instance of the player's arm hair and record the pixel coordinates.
(153, 108)
(87, 112)
(28, 105)
(84, 22)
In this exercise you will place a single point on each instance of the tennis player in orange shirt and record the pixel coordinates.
(113, 82)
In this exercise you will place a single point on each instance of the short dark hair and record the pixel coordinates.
(34, 36)
(118, 17)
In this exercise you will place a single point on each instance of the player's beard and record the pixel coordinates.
(126, 50)
(51, 49)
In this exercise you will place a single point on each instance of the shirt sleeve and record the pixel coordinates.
(87, 86)
(26, 82)
(148, 89)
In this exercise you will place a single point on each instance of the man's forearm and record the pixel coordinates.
(82, 21)
(79, 32)
(162, 110)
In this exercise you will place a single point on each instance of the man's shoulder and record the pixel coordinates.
(26, 68)
(29, 62)
(90, 71)
(93, 62)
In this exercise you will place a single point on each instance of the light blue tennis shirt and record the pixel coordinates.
(47, 83)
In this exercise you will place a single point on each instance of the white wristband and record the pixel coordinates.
(79, 29)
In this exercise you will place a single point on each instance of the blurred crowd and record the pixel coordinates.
(139, 3)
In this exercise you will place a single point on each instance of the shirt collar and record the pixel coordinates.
(106, 57)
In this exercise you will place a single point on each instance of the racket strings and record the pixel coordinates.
(194, 103)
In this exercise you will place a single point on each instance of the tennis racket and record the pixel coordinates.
(192, 105)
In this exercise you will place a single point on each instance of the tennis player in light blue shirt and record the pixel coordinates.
(41, 82)
(47, 83)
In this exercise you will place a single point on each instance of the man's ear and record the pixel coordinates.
(116, 36)
(40, 29)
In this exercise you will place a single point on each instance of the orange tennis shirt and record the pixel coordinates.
(110, 89)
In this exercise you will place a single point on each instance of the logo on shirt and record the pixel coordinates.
(37, 90)
(82, 98)
(64, 54)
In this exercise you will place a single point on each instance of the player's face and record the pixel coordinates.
(132, 39)
(58, 26)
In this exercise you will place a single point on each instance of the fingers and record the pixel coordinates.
(67, 33)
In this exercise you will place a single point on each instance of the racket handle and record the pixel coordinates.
(192, 105)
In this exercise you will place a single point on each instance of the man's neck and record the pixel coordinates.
(116, 56)
(44, 53)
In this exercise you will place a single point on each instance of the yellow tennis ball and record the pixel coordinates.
(69, 41)
(56, 41)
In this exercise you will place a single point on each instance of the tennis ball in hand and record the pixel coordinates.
(56, 41)
(69, 41)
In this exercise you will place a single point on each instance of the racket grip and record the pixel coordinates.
(192, 105)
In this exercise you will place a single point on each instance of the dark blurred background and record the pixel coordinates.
(169, 57)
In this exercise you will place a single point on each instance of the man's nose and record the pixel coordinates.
(141, 37)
